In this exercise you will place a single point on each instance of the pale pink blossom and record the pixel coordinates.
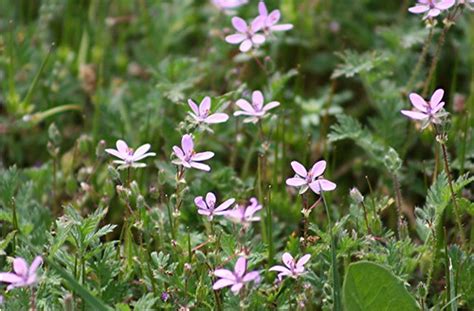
(22, 275)
(237, 278)
(247, 35)
(187, 157)
(129, 157)
(291, 268)
(207, 206)
(228, 4)
(432, 8)
(312, 179)
(256, 110)
(271, 20)
(201, 113)
(245, 214)
(428, 112)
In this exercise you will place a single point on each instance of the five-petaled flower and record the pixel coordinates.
(228, 4)
(129, 157)
(236, 278)
(271, 20)
(428, 112)
(207, 207)
(202, 114)
(187, 157)
(247, 35)
(245, 215)
(312, 179)
(22, 275)
(432, 8)
(256, 110)
(292, 267)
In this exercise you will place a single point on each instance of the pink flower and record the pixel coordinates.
(23, 275)
(292, 267)
(201, 113)
(271, 20)
(432, 8)
(128, 157)
(426, 111)
(228, 4)
(188, 158)
(246, 35)
(256, 110)
(236, 278)
(312, 179)
(245, 215)
(207, 207)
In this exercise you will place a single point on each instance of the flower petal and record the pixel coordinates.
(225, 205)
(288, 260)
(211, 199)
(257, 23)
(299, 168)
(245, 105)
(20, 267)
(200, 166)
(437, 108)
(202, 156)
(295, 182)
(418, 9)
(225, 274)
(235, 38)
(239, 24)
(281, 27)
(205, 106)
(222, 283)
(236, 288)
(141, 150)
(35, 264)
(262, 9)
(122, 146)
(240, 266)
(258, 39)
(318, 169)
(245, 46)
(414, 115)
(271, 105)
(445, 4)
(217, 118)
(199, 201)
(115, 153)
(279, 269)
(9, 277)
(257, 100)
(251, 276)
(178, 152)
(193, 106)
(436, 98)
(187, 144)
(273, 18)
(418, 102)
(303, 260)
(146, 155)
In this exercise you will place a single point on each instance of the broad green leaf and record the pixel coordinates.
(371, 287)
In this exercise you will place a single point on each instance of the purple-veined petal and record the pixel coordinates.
(20, 267)
(295, 182)
(236, 288)
(146, 155)
(141, 150)
(178, 152)
(202, 156)
(418, 102)
(418, 9)
(222, 283)
(273, 18)
(303, 260)
(433, 13)
(225, 205)
(204, 212)
(235, 38)
(217, 118)
(436, 98)
(262, 9)
(318, 169)
(326, 185)
(244, 113)
(225, 274)
(315, 187)
(9, 277)
(437, 108)
(279, 269)
(115, 153)
(211, 199)
(205, 106)
(240, 266)
(199, 201)
(251, 276)
(281, 27)
(239, 24)
(187, 144)
(246, 45)
(257, 100)
(271, 105)
(445, 4)
(299, 168)
(193, 106)
(122, 146)
(245, 105)
(415, 115)
(200, 166)
(288, 260)
(35, 264)
(258, 39)
(257, 23)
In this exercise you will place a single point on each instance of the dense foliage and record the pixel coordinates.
(241, 109)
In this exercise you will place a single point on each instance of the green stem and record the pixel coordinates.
(421, 60)
(335, 272)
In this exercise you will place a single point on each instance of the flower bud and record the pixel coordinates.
(356, 195)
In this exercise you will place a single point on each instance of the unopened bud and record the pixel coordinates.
(356, 195)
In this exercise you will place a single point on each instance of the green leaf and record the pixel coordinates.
(369, 286)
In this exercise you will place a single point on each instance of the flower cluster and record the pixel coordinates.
(248, 35)
(432, 8)
(22, 275)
